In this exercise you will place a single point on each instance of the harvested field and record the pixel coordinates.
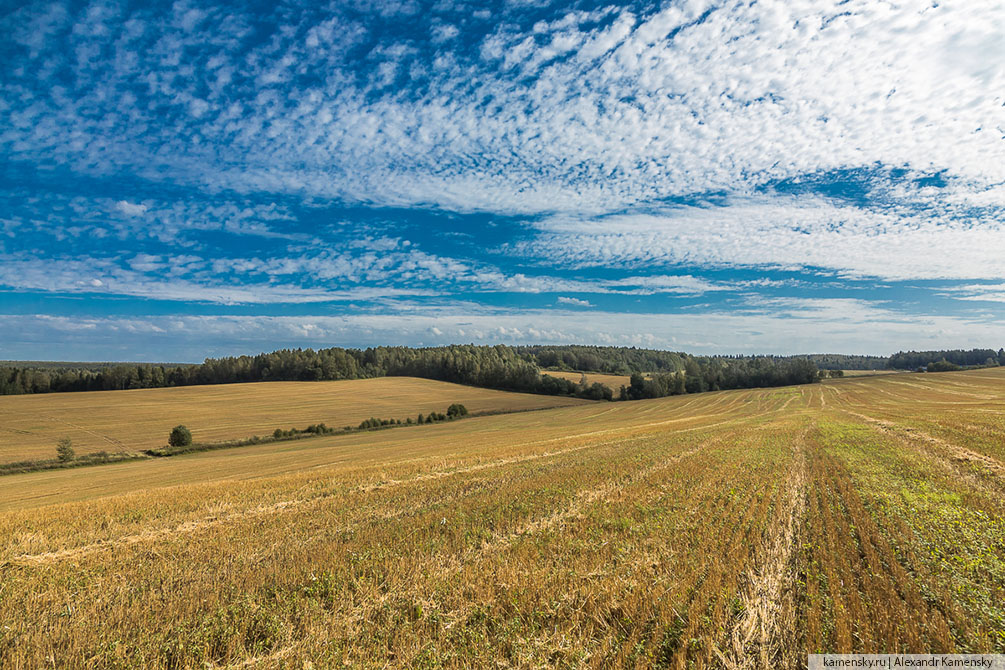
(738, 529)
(614, 382)
(869, 373)
(140, 419)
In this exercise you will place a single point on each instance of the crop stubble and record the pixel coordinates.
(740, 529)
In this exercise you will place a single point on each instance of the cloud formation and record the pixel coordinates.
(807, 326)
(638, 157)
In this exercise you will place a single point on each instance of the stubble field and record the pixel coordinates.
(613, 382)
(730, 529)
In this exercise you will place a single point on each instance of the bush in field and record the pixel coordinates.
(456, 411)
(372, 422)
(942, 366)
(64, 450)
(180, 437)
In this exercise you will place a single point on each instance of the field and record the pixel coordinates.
(30, 425)
(869, 373)
(737, 529)
(614, 382)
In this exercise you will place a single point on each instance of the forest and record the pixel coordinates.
(912, 360)
(498, 367)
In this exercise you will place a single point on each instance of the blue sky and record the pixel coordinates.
(190, 180)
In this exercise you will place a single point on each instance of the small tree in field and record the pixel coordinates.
(180, 437)
(457, 410)
(64, 450)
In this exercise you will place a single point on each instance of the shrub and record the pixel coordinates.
(180, 437)
(943, 366)
(64, 450)
(457, 410)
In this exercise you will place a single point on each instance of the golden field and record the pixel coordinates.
(738, 529)
(870, 373)
(112, 421)
(614, 382)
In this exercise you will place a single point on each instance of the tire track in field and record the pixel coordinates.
(947, 388)
(959, 453)
(757, 639)
(110, 440)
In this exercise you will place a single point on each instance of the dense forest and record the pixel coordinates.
(625, 360)
(500, 367)
(912, 360)
(848, 362)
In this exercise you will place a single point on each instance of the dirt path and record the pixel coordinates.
(110, 440)
(758, 640)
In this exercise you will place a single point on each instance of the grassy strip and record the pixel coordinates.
(100, 458)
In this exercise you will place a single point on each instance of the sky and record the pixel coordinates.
(203, 179)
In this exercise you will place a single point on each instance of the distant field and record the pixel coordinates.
(614, 382)
(866, 373)
(30, 425)
(736, 529)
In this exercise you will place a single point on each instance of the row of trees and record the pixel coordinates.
(714, 374)
(500, 366)
(848, 362)
(610, 360)
(912, 360)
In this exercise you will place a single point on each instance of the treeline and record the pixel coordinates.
(102, 377)
(848, 362)
(628, 360)
(485, 366)
(912, 360)
(610, 360)
(714, 374)
(500, 367)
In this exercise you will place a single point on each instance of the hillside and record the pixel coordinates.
(138, 419)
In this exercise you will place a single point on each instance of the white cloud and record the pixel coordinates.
(978, 292)
(781, 231)
(576, 302)
(181, 278)
(798, 327)
(131, 209)
(443, 32)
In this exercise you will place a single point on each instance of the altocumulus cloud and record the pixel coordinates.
(679, 161)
